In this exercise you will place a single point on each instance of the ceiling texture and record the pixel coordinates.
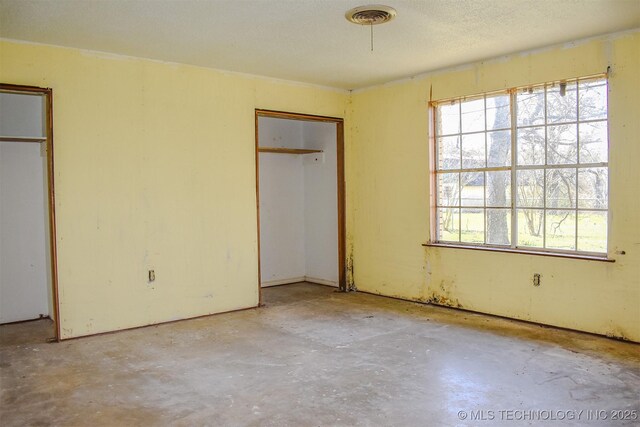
(310, 40)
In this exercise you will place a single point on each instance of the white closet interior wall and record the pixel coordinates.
(25, 275)
(298, 203)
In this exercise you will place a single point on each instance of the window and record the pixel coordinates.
(525, 168)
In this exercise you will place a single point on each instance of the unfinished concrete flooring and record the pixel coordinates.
(314, 357)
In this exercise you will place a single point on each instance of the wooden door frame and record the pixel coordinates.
(342, 246)
(47, 93)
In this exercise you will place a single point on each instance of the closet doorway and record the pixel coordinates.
(28, 285)
(300, 199)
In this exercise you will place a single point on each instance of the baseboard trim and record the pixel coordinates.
(318, 281)
(499, 316)
(166, 322)
(282, 282)
(292, 280)
(26, 320)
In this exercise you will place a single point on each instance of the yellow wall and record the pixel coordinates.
(155, 169)
(388, 199)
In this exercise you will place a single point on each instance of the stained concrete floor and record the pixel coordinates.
(314, 357)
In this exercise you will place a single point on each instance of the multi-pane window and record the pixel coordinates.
(525, 168)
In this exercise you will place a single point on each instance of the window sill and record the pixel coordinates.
(522, 252)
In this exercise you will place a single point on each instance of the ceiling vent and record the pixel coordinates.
(370, 15)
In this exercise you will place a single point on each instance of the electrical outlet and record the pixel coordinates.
(536, 279)
(152, 275)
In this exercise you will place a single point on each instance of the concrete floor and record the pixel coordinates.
(315, 357)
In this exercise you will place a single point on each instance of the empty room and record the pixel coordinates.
(319, 212)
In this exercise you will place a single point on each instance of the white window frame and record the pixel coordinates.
(514, 168)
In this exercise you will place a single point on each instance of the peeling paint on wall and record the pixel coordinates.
(617, 333)
(443, 295)
(351, 285)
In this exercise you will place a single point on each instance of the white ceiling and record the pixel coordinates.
(310, 40)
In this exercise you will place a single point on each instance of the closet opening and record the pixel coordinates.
(300, 199)
(28, 276)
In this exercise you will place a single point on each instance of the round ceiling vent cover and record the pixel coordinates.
(370, 15)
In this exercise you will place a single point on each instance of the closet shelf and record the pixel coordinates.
(22, 139)
(282, 150)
